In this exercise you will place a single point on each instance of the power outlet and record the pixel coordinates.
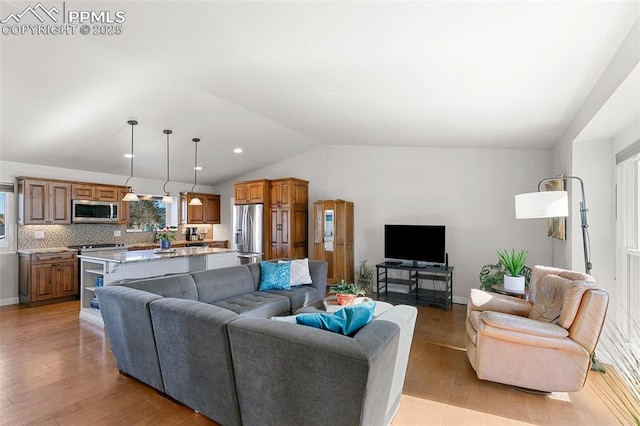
(38, 235)
(117, 233)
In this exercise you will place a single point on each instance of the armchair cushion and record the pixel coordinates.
(558, 299)
(523, 325)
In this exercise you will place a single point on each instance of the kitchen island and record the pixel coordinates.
(110, 267)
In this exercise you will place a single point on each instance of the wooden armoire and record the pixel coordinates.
(333, 238)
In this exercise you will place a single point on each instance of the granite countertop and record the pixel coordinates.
(46, 250)
(146, 255)
(129, 246)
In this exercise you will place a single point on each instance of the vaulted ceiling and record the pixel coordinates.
(280, 78)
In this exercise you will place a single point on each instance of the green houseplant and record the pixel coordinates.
(493, 274)
(513, 262)
(364, 276)
(346, 293)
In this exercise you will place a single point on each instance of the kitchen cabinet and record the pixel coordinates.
(87, 191)
(289, 191)
(207, 213)
(333, 238)
(288, 220)
(123, 206)
(251, 192)
(43, 202)
(48, 278)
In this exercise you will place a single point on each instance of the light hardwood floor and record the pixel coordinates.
(58, 369)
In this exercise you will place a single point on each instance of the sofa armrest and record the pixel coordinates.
(127, 321)
(480, 300)
(523, 325)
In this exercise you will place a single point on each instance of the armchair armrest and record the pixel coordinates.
(480, 300)
(523, 325)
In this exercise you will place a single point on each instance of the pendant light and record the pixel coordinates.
(195, 201)
(131, 196)
(167, 199)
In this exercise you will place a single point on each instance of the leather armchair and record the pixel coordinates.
(543, 344)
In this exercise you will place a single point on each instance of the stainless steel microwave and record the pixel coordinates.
(94, 212)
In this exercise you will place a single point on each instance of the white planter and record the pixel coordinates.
(514, 283)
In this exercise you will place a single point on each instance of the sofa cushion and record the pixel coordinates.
(299, 296)
(256, 304)
(347, 320)
(274, 276)
(180, 286)
(222, 283)
(299, 271)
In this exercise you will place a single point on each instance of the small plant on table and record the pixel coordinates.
(346, 293)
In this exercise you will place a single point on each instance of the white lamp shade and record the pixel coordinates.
(195, 202)
(131, 196)
(535, 205)
(167, 199)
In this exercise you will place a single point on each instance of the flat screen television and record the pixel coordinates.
(417, 243)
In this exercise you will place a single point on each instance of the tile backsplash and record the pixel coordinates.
(77, 234)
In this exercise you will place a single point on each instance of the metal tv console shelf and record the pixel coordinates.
(415, 285)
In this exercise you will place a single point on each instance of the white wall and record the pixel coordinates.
(10, 170)
(470, 191)
(626, 58)
(594, 162)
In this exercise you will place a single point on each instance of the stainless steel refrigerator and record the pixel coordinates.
(248, 232)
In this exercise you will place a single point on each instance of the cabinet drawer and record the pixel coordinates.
(54, 257)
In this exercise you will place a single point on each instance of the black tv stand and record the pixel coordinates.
(424, 284)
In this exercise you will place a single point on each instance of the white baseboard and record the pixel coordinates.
(9, 301)
(460, 300)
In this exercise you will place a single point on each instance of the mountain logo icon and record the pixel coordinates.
(38, 11)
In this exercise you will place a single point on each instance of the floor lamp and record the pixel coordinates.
(548, 204)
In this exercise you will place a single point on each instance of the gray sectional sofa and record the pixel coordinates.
(206, 340)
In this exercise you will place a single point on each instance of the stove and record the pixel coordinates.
(85, 248)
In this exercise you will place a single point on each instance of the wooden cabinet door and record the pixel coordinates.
(281, 194)
(256, 192)
(47, 202)
(123, 207)
(211, 208)
(195, 214)
(42, 287)
(66, 279)
(82, 191)
(105, 193)
(59, 203)
(240, 194)
(36, 194)
(280, 233)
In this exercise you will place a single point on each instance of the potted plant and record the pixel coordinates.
(513, 262)
(364, 276)
(493, 274)
(165, 236)
(346, 293)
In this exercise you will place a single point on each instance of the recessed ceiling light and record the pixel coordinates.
(238, 150)
(129, 155)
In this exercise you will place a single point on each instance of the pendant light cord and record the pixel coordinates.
(195, 166)
(164, 187)
(133, 123)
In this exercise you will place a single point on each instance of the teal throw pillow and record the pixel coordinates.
(274, 276)
(347, 320)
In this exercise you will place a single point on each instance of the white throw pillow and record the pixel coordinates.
(299, 271)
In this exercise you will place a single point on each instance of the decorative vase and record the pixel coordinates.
(345, 299)
(512, 283)
(165, 244)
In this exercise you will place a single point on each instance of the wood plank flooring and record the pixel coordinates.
(56, 369)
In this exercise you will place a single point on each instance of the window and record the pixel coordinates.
(7, 218)
(150, 213)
